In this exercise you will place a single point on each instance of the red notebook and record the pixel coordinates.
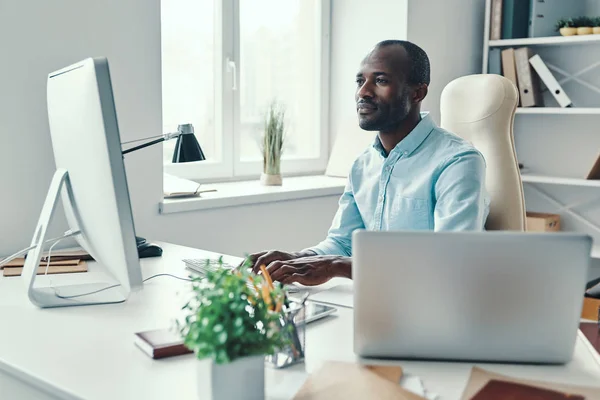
(502, 390)
(160, 343)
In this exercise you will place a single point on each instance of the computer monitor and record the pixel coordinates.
(91, 177)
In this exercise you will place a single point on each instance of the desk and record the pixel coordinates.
(88, 352)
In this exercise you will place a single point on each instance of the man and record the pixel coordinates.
(415, 176)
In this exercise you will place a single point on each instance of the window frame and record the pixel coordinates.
(227, 106)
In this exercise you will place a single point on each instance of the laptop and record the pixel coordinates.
(495, 296)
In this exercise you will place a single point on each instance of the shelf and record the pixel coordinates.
(546, 41)
(559, 110)
(554, 180)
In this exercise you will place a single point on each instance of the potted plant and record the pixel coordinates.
(596, 25)
(272, 145)
(233, 321)
(566, 27)
(584, 25)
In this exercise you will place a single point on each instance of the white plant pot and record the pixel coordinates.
(243, 379)
(271, 180)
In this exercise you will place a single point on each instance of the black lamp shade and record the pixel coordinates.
(187, 149)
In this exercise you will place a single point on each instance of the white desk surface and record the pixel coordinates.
(88, 352)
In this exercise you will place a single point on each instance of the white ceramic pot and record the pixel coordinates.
(270, 180)
(243, 379)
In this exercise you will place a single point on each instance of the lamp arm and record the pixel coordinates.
(168, 136)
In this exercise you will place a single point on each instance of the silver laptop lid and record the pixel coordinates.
(494, 296)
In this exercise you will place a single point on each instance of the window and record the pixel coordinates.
(225, 61)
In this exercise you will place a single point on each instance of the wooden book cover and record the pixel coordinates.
(20, 262)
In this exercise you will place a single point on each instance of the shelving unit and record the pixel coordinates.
(551, 139)
(554, 180)
(546, 41)
(559, 111)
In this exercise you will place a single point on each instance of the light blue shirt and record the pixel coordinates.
(432, 180)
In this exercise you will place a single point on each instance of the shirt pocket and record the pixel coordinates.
(408, 213)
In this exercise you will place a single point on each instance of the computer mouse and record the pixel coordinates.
(149, 250)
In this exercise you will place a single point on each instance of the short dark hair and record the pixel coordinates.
(419, 71)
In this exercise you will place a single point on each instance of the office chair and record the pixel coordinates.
(481, 109)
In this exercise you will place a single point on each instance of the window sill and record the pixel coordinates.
(232, 194)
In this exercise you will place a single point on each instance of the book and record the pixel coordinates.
(521, 388)
(500, 390)
(160, 343)
(53, 269)
(20, 262)
(174, 187)
(495, 62)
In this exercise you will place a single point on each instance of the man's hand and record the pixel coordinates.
(310, 271)
(267, 257)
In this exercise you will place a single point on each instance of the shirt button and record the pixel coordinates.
(406, 153)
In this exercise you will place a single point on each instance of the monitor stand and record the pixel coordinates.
(69, 295)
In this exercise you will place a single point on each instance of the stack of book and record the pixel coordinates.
(61, 261)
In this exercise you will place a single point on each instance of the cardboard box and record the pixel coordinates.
(542, 222)
(591, 309)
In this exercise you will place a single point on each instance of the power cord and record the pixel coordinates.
(118, 284)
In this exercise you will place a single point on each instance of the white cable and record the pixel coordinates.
(48, 265)
(118, 284)
(21, 252)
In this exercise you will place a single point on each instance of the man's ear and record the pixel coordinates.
(420, 93)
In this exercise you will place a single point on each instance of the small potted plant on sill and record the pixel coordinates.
(272, 145)
(596, 25)
(566, 27)
(584, 25)
(233, 322)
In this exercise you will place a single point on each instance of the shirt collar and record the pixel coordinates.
(413, 140)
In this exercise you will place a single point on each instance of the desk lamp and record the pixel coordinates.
(187, 149)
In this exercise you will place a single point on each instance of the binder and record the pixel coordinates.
(494, 62)
(509, 68)
(496, 20)
(550, 81)
(528, 80)
(545, 13)
(515, 19)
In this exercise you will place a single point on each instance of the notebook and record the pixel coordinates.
(160, 343)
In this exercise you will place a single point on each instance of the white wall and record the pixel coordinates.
(355, 28)
(38, 37)
(451, 33)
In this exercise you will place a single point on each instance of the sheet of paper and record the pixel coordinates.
(340, 295)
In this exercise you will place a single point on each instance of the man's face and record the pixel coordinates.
(383, 98)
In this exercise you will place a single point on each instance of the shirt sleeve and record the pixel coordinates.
(347, 219)
(462, 203)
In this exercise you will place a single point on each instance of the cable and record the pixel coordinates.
(139, 140)
(48, 264)
(19, 253)
(118, 284)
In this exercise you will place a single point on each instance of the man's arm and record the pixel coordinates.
(461, 197)
(347, 219)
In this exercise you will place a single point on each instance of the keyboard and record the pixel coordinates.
(201, 267)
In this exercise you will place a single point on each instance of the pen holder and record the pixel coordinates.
(293, 352)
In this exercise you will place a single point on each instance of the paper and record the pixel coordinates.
(415, 385)
(340, 295)
(174, 186)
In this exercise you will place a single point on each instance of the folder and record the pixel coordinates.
(528, 79)
(515, 19)
(496, 20)
(545, 13)
(509, 68)
(550, 81)
(495, 62)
